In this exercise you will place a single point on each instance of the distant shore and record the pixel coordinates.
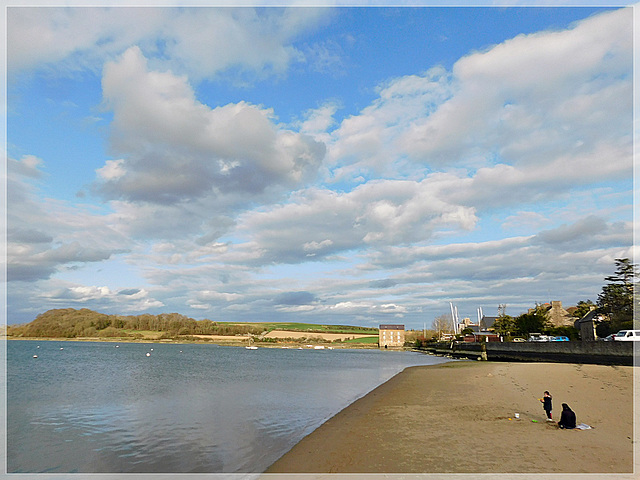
(459, 417)
(220, 340)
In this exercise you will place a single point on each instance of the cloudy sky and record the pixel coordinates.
(326, 165)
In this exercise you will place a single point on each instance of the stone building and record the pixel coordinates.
(558, 316)
(587, 325)
(391, 336)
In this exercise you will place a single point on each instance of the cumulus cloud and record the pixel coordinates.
(201, 42)
(535, 97)
(46, 237)
(28, 166)
(323, 222)
(79, 37)
(211, 201)
(101, 295)
(208, 40)
(586, 227)
(30, 262)
(537, 112)
(369, 140)
(176, 149)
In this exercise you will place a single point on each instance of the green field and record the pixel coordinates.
(362, 340)
(85, 323)
(309, 327)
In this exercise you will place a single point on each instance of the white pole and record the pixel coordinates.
(453, 318)
(457, 321)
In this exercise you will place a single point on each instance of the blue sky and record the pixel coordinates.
(346, 165)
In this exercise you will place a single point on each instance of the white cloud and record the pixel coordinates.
(586, 227)
(372, 215)
(556, 102)
(535, 97)
(319, 121)
(175, 148)
(47, 236)
(112, 170)
(103, 295)
(212, 295)
(201, 41)
(28, 166)
(209, 202)
(314, 246)
(199, 306)
(370, 139)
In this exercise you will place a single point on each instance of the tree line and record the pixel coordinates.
(73, 323)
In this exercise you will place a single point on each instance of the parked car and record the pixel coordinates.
(518, 339)
(627, 336)
(561, 338)
(609, 338)
(536, 337)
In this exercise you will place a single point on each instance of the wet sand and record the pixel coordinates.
(459, 417)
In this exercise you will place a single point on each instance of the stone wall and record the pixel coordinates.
(597, 352)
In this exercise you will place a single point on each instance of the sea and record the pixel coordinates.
(104, 407)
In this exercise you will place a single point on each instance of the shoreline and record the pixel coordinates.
(219, 342)
(459, 418)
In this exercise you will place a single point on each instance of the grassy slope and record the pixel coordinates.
(362, 340)
(309, 327)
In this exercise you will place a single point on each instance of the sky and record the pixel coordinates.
(331, 165)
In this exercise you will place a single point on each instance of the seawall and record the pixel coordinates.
(598, 352)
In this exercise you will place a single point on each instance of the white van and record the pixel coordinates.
(627, 336)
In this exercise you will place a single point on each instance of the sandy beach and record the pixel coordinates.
(459, 417)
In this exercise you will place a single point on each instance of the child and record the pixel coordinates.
(546, 404)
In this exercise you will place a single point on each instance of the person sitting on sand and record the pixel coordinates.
(567, 417)
(546, 404)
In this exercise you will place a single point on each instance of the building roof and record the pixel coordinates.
(391, 327)
(487, 322)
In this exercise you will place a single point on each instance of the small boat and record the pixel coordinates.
(35, 356)
(251, 346)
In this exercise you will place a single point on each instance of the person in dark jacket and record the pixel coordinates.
(567, 417)
(546, 404)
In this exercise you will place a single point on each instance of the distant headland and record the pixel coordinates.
(85, 324)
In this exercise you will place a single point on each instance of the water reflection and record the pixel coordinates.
(184, 408)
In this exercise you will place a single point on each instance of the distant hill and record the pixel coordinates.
(73, 323)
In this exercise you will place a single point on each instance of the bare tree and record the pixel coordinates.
(442, 324)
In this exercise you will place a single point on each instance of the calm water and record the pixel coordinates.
(95, 407)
